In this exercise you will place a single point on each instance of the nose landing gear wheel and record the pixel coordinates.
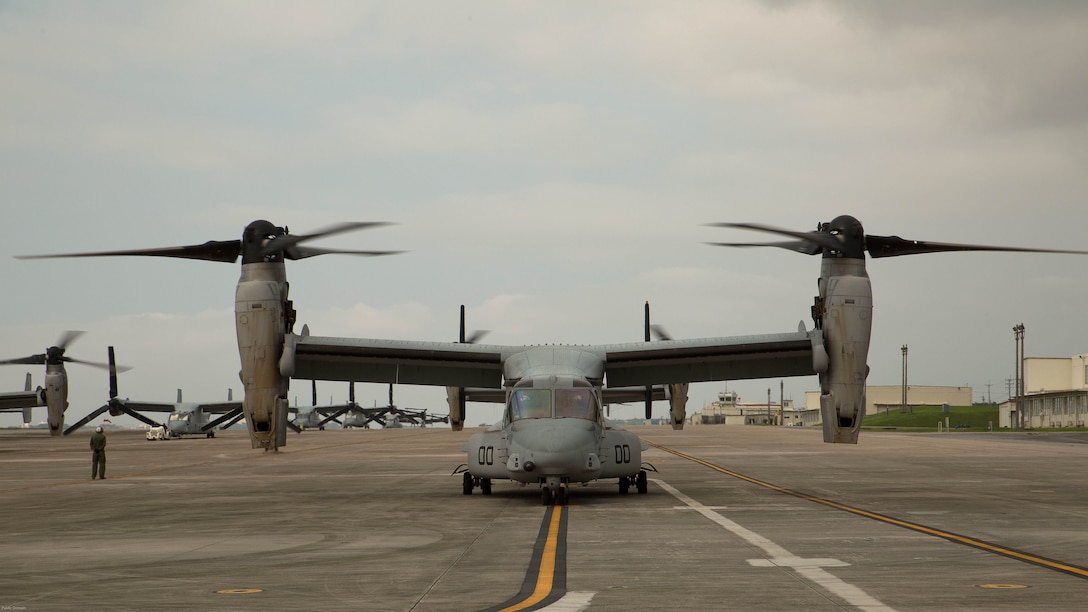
(467, 484)
(640, 482)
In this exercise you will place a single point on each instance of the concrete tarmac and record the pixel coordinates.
(745, 518)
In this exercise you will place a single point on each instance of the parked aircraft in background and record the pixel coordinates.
(183, 418)
(55, 393)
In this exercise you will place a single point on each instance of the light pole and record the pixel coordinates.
(1018, 333)
(903, 406)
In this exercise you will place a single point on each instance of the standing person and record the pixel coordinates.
(98, 454)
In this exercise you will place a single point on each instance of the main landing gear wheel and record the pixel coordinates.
(640, 482)
(470, 482)
(625, 483)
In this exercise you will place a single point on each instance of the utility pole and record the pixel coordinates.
(1018, 403)
(903, 404)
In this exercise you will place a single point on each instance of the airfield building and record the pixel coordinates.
(881, 399)
(1055, 394)
(729, 410)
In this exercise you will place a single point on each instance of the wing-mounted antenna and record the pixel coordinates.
(842, 311)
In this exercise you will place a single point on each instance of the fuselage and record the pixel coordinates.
(187, 420)
(552, 430)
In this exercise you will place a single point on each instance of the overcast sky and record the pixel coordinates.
(548, 164)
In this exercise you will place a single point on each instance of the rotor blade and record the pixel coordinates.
(31, 360)
(68, 338)
(826, 241)
(293, 427)
(313, 384)
(113, 373)
(282, 243)
(87, 419)
(893, 246)
(222, 419)
(302, 252)
(139, 417)
(660, 332)
(800, 246)
(226, 251)
(96, 364)
(241, 415)
(333, 416)
(476, 336)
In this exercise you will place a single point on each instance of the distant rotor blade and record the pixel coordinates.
(113, 373)
(824, 240)
(87, 419)
(241, 415)
(801, 246)
(293, 427)
(139, 417)
(96, 364)
(333, 416)
(660, 332)
(226, 251)
(476, 336)
(893, 246)
(236, 413)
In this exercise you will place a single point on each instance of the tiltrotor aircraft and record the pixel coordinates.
(55, 393)
(185, 418)
(555, 446)
(316, 417)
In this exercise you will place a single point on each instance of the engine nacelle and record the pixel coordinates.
(677, 394)
(455, 399)
(846, 326)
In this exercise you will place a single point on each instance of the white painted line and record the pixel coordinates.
(778, 556)
(572, 602)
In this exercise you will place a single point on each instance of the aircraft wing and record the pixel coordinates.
(709, 359)
(19, 399)
(450, 364)
(455, 364)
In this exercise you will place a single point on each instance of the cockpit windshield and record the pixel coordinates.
(530, 404)
(537, 404)
(575, 403)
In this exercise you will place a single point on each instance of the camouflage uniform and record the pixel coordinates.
(98, 455)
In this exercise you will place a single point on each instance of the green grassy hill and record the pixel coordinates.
(925, 418)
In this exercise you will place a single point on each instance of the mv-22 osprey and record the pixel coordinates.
(54, 395)
(555, 447)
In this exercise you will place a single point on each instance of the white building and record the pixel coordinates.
(879, 399)
(1055, 394)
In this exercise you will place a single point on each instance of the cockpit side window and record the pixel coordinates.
(530, 404)
(575, 403)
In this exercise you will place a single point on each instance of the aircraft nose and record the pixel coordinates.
(560, 446)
